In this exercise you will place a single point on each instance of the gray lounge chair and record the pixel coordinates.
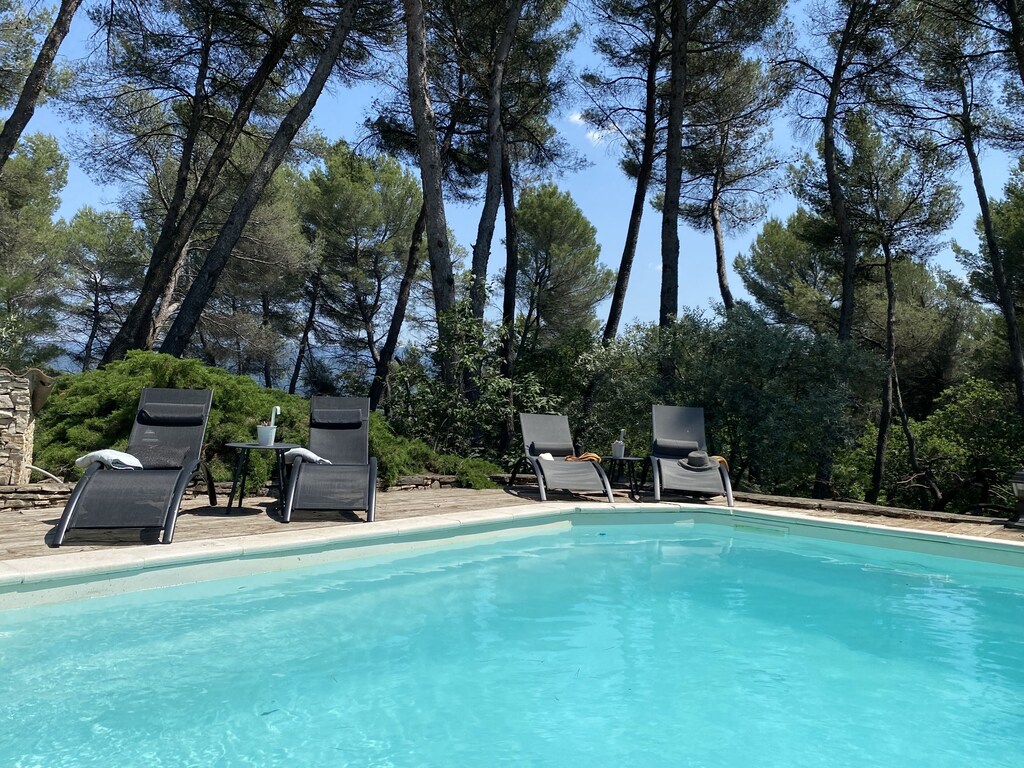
(338, 432)
(167, 438)
(549, 433)
(678, 433)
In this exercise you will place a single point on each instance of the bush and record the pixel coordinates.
(776, 402)
(94, 410)
(475, 473)
(396, 456)
(967, 450)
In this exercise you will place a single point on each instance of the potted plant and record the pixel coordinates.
(266, 432)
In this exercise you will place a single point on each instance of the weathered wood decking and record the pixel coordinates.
(27, 533)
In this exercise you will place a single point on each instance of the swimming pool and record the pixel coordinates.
(589, 643)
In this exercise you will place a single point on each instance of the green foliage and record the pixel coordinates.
(29, 269)
(94, 410)
(396, 456)
(774, 399)
(104, 257)
(1008, 224)
(791, 273)
(968, 448)
(250, 320)
(21, 24)
(560, 281)
(358, 213)
(454, 419)
(475, 473)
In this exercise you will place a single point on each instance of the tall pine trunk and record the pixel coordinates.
(720, 266)
(508, 299)
(1012, 10)
(206, 281)
(136, 330)
(29, 97)
(885, 416)
(669, 304)
(182, 218)
(438, 248)
(643, 180)
(495, 143)
(307, 330)
(387, 352)
(995, 256)
(636, 212)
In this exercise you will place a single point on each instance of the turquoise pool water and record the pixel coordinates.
(617, 645)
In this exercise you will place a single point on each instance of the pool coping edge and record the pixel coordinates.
(38, 575)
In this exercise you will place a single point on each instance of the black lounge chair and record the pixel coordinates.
(167, 438)
(549, 433)
(339, 433)
(678, 433)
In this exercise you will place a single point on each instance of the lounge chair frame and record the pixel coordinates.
(549, 433)
(167, 437)
(678, 431)
(338, 432)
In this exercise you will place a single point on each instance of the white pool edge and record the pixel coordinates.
(54, 578)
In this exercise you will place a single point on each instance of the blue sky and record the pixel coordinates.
(601, 191)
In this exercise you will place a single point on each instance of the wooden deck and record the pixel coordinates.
(27, 532)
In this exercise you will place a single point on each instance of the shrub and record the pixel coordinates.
(475, 473)
(396, 456)
(94, 410)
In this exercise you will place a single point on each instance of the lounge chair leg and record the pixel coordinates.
(211, 489)
(72, 506)
(293, 482)
(371, 491)
(171, 518)
(656, 477)
(516, 469)
(727, 484)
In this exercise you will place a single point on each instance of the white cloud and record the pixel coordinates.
(596, 136)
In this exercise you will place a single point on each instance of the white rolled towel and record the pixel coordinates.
(109, 458)
(305, 455)
(545, 456)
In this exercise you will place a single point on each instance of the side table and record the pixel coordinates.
(615, 466)
(242, 465)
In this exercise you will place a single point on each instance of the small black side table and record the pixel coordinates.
(614, 467)
(242, 464)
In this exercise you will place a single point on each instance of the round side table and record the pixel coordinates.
(242, 464)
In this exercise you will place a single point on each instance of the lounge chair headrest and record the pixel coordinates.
(172, 414)
(555, 449)
(664, 446)
(336, 418)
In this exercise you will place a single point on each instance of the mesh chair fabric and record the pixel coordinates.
(126, 499)
(328, 486)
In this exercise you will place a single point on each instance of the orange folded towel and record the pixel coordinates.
(721, 460)
(585, 457)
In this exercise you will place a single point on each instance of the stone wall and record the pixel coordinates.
(17, 428)
(35, 496)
